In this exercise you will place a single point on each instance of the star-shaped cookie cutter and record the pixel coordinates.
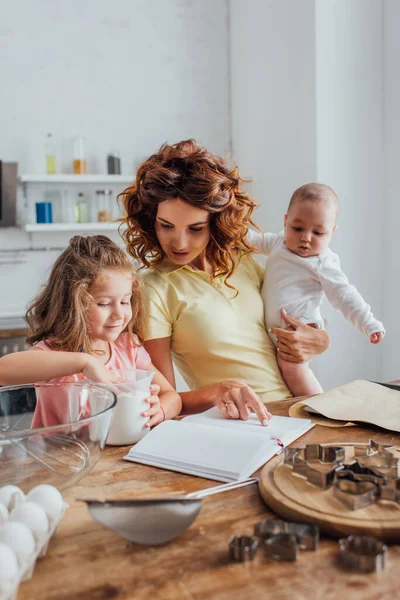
(376, 455)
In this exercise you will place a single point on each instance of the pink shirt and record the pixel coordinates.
(54, 408)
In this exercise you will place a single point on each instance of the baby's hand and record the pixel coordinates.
(376, 337)
(155, 411)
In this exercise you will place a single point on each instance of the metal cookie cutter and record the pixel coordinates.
(355, 471)
(362, 553)
(390, 490)
(376, 455)
(325, 454)
(304, 463)
(283, 547)
(355, 494)
(243, 547)
(307, 536)
(357, 486)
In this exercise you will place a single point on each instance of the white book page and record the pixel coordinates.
(286, 429)
(207, 449)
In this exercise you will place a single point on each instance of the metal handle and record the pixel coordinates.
(222, 488)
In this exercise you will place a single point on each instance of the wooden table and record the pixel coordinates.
(85, 561)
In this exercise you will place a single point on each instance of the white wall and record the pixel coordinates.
(391, 244)
(273, 99)
(349, 59)
(307, 102)
(128, 75)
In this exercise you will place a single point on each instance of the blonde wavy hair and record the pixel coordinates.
(194, 175)
(58, 313)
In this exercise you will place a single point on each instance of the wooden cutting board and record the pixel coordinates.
(294, 499)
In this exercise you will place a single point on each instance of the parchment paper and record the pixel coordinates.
(358, 401)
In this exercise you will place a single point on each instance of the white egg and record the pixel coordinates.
(49, 498)
(3, 514)
(19, 538)
(8, 563)
(11, 496)
(34, 517)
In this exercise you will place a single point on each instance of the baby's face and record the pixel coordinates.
(309, 226)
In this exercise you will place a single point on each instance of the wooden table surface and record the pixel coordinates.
(86, 561)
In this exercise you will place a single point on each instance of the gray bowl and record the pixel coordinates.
(52, 432)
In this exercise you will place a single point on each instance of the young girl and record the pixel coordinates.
(85, 323)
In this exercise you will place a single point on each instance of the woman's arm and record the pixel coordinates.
(300, 343)
(233, 398)
(38, 365)
(160, 354)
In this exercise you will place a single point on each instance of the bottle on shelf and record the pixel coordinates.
(113, 164)
(109, 202)
(50, 155)
(103, 206)
(55, 199)
(79, 163)
(81, 209)
(44, 212)
(68, 208)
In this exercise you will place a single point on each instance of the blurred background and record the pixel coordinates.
(292, 90)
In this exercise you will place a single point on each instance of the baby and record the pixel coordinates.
(301, 269)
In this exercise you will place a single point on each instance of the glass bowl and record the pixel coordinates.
(52, 432)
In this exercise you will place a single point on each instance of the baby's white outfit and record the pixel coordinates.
(298, 285)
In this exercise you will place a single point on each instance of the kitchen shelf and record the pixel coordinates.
(66, 178)
(51, 227)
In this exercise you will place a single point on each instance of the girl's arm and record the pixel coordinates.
(39, 365)
(232, 398)
(164, 396)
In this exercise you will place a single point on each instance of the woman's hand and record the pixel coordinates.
(300, 343)
(155, 411)
(234, 400)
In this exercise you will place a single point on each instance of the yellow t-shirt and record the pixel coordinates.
(215, 336)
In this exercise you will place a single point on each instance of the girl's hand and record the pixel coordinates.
(155, 411)
(300, 343)
(376, 337)
(234, 400)
(95, 371)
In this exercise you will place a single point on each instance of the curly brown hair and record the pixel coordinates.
(58, 313)
(194, 175)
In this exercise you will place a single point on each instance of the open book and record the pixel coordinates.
(207, 445)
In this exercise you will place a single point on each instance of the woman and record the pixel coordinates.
(187, 220)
